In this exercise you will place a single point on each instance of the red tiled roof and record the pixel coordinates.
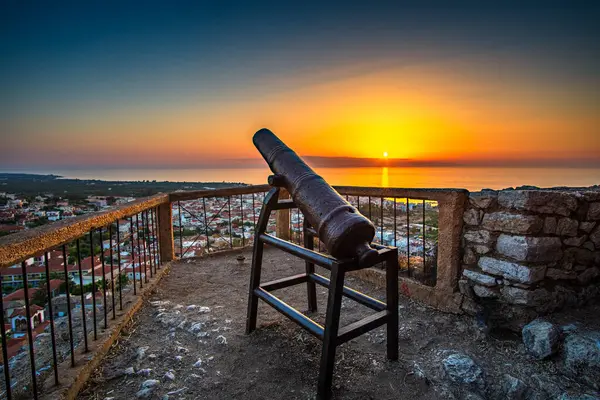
(33, 308)
(20, 294)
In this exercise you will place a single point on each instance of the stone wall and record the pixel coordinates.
(529, 252)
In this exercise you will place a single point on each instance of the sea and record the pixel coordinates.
(471, 178)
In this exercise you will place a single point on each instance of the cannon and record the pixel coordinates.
(345, 232)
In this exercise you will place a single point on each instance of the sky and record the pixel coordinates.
(186, 84)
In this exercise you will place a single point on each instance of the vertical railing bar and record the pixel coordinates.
(146, 240)
(229, 213)
(102, 263)
(242, 211)
(381, 216)
(29, 330)
(93, 282)
(119, 266)
(145, 248)
(180, 230)
(298, 224)
(253, 213)
(291, 237)
(112, 267)
(408, 238)
(150, 239)
(4, 345)
(50, 311)
(132, 255)
(206, 225)
(395, 223)
(68, 295)
(155, 236)
(82, 296)
(424, 240)
(137, 230)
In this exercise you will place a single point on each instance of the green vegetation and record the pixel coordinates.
(77, 190)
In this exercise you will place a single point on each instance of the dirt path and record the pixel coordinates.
(190, 338)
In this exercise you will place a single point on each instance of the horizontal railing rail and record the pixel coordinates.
(19, 246)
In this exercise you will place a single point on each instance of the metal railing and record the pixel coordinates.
(106, 256)
(69, 290)
(213, 222)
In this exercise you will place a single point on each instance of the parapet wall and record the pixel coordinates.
(529, 252)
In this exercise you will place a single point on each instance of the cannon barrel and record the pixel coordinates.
(341, 227)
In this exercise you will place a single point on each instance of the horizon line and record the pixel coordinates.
(335, 162)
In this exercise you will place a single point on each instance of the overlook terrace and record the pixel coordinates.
(143, 240)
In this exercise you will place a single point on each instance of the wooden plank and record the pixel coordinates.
(290, 312)
(357, 328)
(284, 282)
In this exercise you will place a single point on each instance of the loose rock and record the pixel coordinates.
(462, 369)
(582, 357)
(541, 338)
(513, 388)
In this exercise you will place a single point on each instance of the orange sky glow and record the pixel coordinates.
(422, 113)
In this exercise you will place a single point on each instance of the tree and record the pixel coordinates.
(123, 281)
(40, 297)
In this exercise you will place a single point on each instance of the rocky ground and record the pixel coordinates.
(188, 342)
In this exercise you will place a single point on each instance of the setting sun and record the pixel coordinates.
(385, 154)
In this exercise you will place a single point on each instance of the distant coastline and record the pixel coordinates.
(34, 184)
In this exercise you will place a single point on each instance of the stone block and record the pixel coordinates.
(481, 249)
(512, 223)
(550, 225)
(575, 241)
(579, 256)
(588, 275)
(512, 271)
(594, 212)
(484, 199)
(515, 295)
(591, 195)
(595, 237)
(472, 216)
(478, 236)
(587, 226)
(465, 288)
(539, 201)
(480, 278)
(559, 274)
(567, 227)
(469, 257)
(589, 246)
(485, 292)
(527, 248)
(541, 338)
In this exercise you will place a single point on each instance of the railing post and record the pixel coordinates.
(450, 222)
(165, 232)
(283, 218)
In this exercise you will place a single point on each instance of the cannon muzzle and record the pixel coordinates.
(341, 227)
